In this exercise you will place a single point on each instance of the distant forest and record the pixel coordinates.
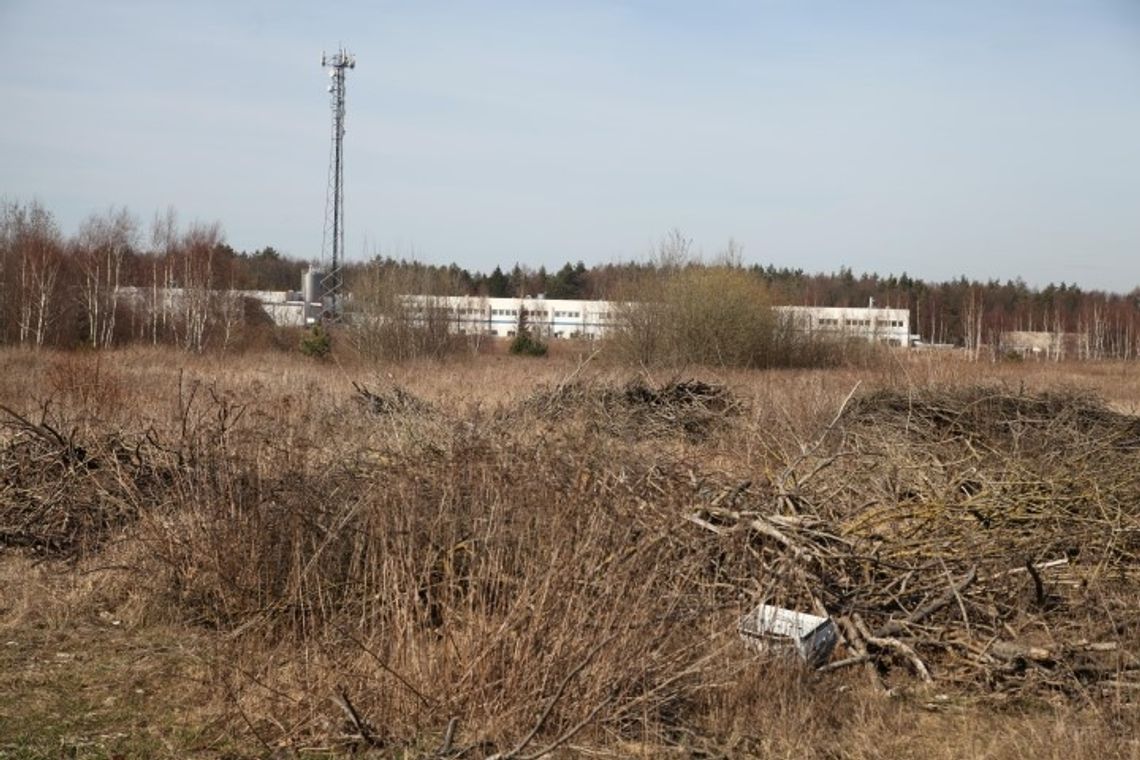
(58, 289)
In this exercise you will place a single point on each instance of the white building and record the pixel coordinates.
(287, 308)
(888, 326)
(499, 317)
(559, 318)
(556, 318)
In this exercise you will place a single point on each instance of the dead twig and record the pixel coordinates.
(895, 627)
(363, 730)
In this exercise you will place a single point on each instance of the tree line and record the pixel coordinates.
(111, 281)
(966, 313)
(107, 284)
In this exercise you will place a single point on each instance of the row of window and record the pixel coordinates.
(472, 311)
(532, 313)
(501, 333)
(467, 314)
(833, 322)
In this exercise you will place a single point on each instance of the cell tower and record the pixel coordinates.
(338, 65)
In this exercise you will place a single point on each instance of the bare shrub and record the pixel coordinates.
(87, 385)
(384, 324)
(719, 316)
(451, 584)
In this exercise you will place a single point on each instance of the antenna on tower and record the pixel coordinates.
(332, 283)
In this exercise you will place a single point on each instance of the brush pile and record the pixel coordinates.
(68, 482)
(970, 537)
(392, 402)
(57, 493)
(693, 409)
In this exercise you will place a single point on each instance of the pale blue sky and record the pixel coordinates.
(996, 138)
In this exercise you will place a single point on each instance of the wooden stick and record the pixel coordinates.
(844, 663)
(448, 736)
(885, 642)
(361, 725)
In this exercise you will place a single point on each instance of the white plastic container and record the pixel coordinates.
(775, 630)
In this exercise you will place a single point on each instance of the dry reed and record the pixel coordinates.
(564, 568)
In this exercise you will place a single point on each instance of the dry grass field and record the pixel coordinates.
(267, 556)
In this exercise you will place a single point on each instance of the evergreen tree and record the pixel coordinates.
(498, 285)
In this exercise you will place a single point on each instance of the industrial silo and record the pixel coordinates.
(312, 293)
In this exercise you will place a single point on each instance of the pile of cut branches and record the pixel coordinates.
(691, 408)
(972, 537)
(391, 402)
(68, 483)
(54, 497)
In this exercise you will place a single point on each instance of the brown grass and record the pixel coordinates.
(512, 554)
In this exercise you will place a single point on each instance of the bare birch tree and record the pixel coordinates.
(164, 244)
(40, 264)
(199, 244)
(33, 255)
(103, 243)
(972, 324)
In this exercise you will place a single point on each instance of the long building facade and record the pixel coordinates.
(557, 318)
(501, 317)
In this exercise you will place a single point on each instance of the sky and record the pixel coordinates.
(984, 138)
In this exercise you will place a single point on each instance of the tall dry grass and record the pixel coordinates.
(475, 557)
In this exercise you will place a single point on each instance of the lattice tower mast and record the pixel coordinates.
(332, 284)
